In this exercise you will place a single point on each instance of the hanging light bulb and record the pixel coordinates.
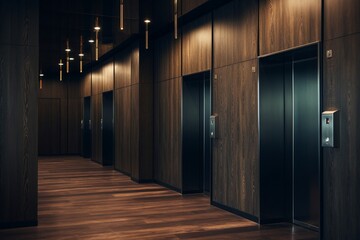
(175, 19)
(147, 21)
(41, 80)
(67, 50)
(60, 66)
(97, 29)
(81, 54)
(121, 14)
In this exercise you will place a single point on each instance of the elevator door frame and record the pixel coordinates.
(206, 76)
(298, 54)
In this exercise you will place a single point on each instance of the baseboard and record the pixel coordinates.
(236, 211)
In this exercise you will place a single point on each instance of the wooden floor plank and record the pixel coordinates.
(79, 199)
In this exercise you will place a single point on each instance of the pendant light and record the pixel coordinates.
(67, 50)
(121, 14)
(175, 19)
(97, 29)
(60, 66)
(147, 21)
(81, 54)
(41, 80)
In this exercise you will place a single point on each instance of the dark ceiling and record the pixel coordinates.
(68, 19)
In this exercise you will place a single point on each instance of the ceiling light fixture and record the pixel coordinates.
(121, 14)
(67, 50)
(175, 19)
(81, 54)
(147, 21)
(41, 81)
(60, 66)
(97, 29)
(91, 41)
(71, 59)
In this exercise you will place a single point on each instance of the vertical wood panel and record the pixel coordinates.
(85, 88)
(96, 115)
(19, 64)
(235, 32)
(341, 18)
(168, 57)
(135, 64)
(49, 126)
(74, 128)
(287, 24)
(135, 133)
(108, 75)
(97, 81)
(123, 69)
(341, 166)
(188, 5)
(235, 152)
(122, 129)
(167, 162)
(196, 52)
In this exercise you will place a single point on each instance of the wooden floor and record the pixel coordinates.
(79, 199)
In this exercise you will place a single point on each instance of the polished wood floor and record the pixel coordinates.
(79, 199)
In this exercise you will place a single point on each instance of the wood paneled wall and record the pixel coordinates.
(19, 64)
(188, 5)
(108, 75)
(67, 93)
(167, 162)
(341, 168)
(288, 24)
(235, 151)
(197, 46)
(235, 33)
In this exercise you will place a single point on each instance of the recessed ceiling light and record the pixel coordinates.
(41, 74)
(81, 55)
(71, 59)
(91, 41)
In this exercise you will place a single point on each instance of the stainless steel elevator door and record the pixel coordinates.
(306, 197)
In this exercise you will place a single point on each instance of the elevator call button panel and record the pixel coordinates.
(330, 128)
(213, 120)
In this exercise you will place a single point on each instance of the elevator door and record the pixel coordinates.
(196, 150)
(290, 138)
(86, 134)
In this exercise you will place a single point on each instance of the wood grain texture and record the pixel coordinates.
(122, 112)
(49, 126)
(123, 69)
(341, 18)
(235, 152)
(135, 64)
(20, 23)
(19, 64)
(188, 5)
(79, 199)
(235, 32)
(341, 167)
(74, 127)
(96, 115)
(108, 75)
(167, 162)
(97, 81)
(168, 57)
(197, 46)
(85, 85)
(287, 24)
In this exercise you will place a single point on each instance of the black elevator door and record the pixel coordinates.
(108, 129)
